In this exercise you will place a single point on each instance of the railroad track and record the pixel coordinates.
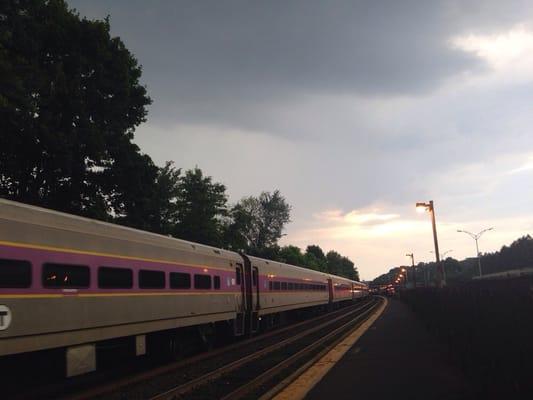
(252, 376)
(245, 367)
(239, 369)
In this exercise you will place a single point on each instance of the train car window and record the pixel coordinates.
(65, 276)
(149, 279)
(270, 285)
(216, 282)
(283, 285)
(291, 286)
(115, 278)
(180, 280)
(15, 273)
(202, 281)
(254, 277)
(238, 275)
(276, 286)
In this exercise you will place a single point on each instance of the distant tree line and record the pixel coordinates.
(71, 99)
(518, 255)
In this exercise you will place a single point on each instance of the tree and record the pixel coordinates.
(258, 222)
(147, 197)
(340, 265)
(200, 208)
(315, 258)
(291, 255)
(70, 102)
(238, 224)
(165, 198)
(315, 251)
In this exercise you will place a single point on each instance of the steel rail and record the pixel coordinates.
(283, 365)
(139, 377)
(187, 387)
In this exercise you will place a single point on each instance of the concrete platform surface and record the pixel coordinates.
(396, 358)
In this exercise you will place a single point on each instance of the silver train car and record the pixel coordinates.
(70, 282)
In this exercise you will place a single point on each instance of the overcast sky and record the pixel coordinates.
(354, 110)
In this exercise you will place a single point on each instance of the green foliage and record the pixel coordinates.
(340, 265)
(258, 222)
(315, 258)
(148, 198)
(291, 255)
(165, 197)
(70, 101)
(518, 254)
(238, 225)
(201, 206)
(316, 252)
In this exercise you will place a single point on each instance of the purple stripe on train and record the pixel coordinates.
(37, 257)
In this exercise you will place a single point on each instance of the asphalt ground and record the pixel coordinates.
(396, 358)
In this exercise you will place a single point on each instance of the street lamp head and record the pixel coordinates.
(421, 206)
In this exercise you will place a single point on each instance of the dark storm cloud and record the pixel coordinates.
(251, 54)
(342, 105)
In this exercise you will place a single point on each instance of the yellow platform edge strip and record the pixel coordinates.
(302, 385)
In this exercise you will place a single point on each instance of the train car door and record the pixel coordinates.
(251, 280)
(239, 326)
(255, 299)
(330, 290)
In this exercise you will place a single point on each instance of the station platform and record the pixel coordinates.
(396, 358)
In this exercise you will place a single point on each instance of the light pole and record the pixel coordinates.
(404, 271)
(412, 256)
(442, 255)
(430, 207)
(476, 237)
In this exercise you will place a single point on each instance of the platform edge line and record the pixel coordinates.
(302, 385)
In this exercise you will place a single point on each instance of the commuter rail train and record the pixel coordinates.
(71, 283)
